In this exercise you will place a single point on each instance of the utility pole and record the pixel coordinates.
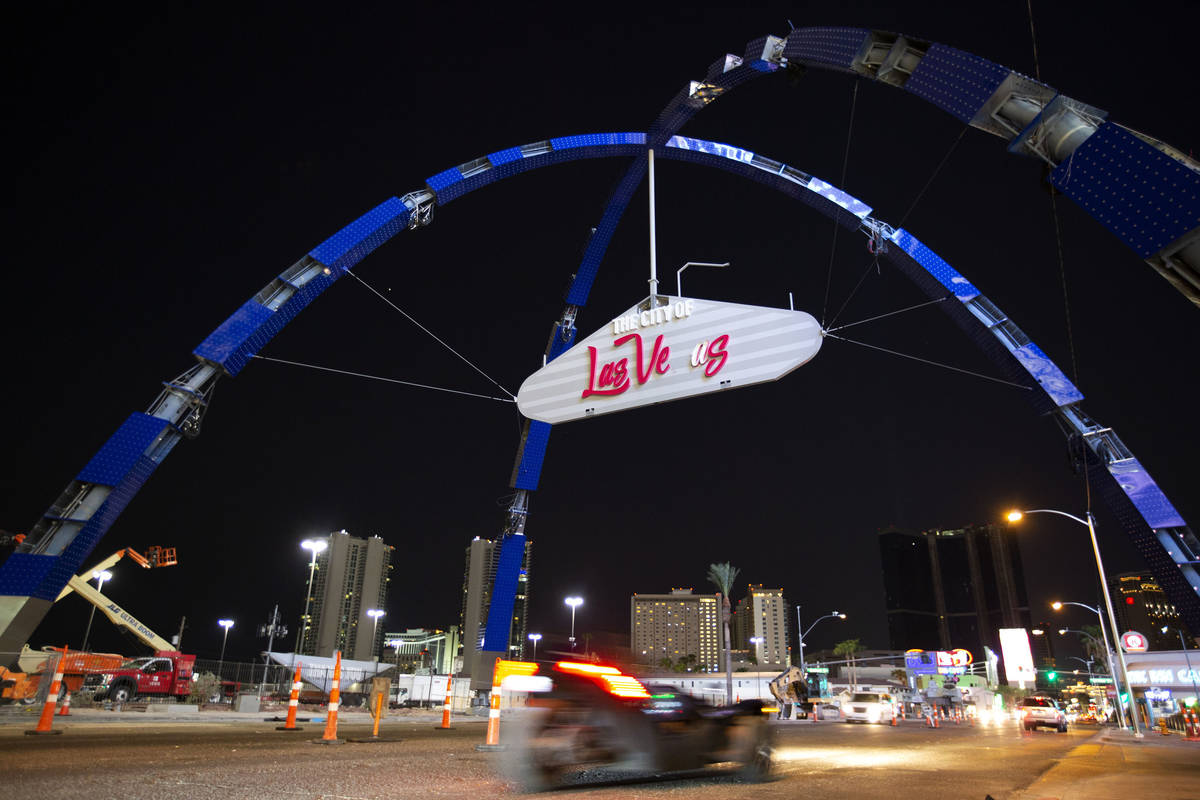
(179, 636)
(270, 630)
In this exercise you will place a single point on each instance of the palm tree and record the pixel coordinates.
(849, 648)
(722, 576)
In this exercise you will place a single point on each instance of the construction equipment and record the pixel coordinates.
(791, 688)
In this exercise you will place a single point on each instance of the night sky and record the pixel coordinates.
(165, 168)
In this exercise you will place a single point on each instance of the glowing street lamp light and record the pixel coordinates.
(1090, 523)
(100, 576)
(375, 614)
(226, 624)
(757, 642)
(535, 638)
(316, 546)
(574, 603)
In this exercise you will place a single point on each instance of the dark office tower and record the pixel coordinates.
(1141, 605)
(479, 578)
(952, 588)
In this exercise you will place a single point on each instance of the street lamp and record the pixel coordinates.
(800, 644)
(1186, 660)
(757, 641)
(1103, 643)
(226, 624)
(535, 638)
(316, 546)
(1090, 524)
(100, 576)
(375, 614)
(574, 603)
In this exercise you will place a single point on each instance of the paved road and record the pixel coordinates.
(134, 757)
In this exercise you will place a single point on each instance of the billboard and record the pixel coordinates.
(684, 348)
(937, 662)
(1018, 658)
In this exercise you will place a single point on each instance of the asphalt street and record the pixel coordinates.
(134, 757)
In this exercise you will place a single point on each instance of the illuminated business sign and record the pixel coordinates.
(685, 348)
(1134, 642)
(1018, 658)
(937, 662)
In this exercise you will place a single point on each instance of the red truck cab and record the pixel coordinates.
(165, 674)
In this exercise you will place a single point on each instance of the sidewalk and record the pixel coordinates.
(28, 716)
(1113, 765)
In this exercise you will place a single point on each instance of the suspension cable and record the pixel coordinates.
(385, 380)
(873, 263)
(888, 314)
(931, 363)
(431, 334)
(836, 223)
(933, 175)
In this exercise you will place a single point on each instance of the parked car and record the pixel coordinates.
(1039, 712)
(868, 707)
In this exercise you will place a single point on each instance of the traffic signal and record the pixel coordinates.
(1051, 676)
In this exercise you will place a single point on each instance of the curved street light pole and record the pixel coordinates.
(1112, 617)
(316, 546)
(800, 644)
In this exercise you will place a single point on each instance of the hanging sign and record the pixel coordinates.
(681, 349)
(1134, 642)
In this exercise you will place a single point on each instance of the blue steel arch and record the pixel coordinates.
(1090, 157)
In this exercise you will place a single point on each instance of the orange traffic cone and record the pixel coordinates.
(445, 726)
(894, 717)
(293, 704)
(493, 728)
(330, 736)
(65, 711)
(43, 726)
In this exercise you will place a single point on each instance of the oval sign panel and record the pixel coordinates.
(681, 348)
(1134, 642)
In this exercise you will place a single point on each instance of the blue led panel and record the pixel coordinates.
(1141, 194)
(22, 573)
(1145, 495)
(1048, 375)
(357, 240)
(443, 179)
(229, 337)
(946, 275)
(504, 156)
(560, 345)
(72, 558)
(504, 591)
(533, 453)
(834, 48)
(122, 450)
(712, 148)
(598, 243)
(839, 198)
(956, 81)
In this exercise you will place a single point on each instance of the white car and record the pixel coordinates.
(868, 707)
(1042, 712)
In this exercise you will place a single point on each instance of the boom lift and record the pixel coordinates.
(155, 557)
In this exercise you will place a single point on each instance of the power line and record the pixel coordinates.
(385, 380)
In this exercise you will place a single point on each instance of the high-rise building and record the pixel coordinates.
(675, 626)
(479, 578)
(1141, 605)
(762, 614)
(952, 588)
(351, 577)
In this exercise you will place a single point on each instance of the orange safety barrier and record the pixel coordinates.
(378, 715)
(330, 735)
(293, 704)
(43, 726)
(1192, 722)
(445, 726)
